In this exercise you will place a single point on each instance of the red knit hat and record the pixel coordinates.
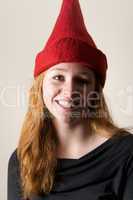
(70, 42)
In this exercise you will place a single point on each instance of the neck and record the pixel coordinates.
(68, 134)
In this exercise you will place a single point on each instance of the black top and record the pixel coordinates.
(105, 173)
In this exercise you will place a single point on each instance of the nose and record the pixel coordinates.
(69, 89)
(71, 93)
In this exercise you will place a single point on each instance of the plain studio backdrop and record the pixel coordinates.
(25, 27)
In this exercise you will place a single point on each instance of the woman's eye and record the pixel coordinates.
(78, 80)
(84, 81)
(58, 77)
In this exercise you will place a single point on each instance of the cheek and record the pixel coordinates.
(49, 91)
(88, 92)
(91, 87)
(88, 88)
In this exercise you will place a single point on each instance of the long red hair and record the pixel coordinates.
(37, 145)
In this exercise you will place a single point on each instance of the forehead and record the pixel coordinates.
(72, 68)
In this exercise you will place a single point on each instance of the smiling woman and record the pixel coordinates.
(65, 89)
(70, 147)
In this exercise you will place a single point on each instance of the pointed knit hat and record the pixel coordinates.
(71, 42)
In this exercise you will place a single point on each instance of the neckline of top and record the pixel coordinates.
(92, 152)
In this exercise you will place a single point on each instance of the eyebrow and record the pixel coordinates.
(59, 69)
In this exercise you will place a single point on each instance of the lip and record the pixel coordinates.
(66, 109)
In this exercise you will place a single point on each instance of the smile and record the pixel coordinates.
(65, 105)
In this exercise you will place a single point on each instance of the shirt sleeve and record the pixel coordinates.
(13, 179)
(128, 191)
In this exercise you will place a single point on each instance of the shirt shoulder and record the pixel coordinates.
(13, 162)
(126, 142)
(14, 191)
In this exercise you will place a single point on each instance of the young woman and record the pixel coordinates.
(69, 147)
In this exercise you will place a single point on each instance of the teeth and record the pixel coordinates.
(65, 103)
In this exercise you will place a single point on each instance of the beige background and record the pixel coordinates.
(25, 27)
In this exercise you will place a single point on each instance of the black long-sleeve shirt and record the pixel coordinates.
(105, 173)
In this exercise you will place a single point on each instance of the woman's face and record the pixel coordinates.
(66, 90)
